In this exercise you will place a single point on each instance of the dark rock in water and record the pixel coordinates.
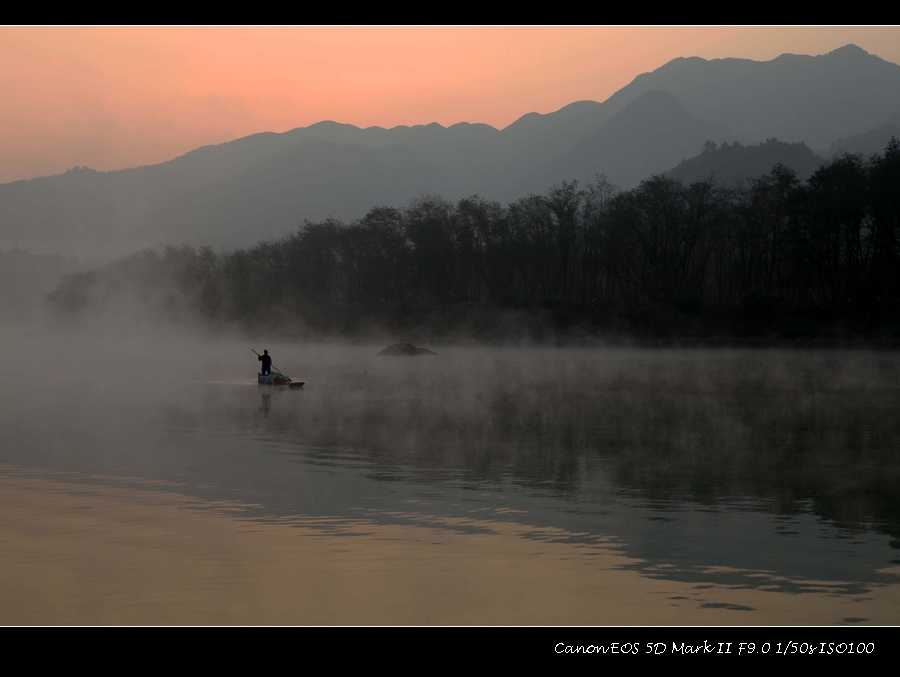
(405, 349)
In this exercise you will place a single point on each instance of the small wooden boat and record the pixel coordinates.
(276, 378)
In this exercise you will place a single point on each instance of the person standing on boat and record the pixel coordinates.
(266, 362)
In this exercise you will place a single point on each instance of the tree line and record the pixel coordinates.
(832, 241)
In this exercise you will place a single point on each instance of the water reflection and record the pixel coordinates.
(757, 474)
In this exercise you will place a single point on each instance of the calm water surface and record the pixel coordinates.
(156, 482)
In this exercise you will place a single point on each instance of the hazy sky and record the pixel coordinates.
(115, 97)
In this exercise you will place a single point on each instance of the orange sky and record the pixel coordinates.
(114, 97)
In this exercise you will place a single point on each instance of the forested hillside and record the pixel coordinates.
(774, 247)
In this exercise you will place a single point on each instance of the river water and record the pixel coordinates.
(153, 481)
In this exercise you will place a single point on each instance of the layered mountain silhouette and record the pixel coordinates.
(265, 185)
(792, 98)
(868, 143)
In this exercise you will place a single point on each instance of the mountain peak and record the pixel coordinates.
(846, 51)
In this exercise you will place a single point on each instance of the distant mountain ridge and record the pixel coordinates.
(793, 97)
(266, 184)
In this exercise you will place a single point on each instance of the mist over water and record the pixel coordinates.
(746, 487)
